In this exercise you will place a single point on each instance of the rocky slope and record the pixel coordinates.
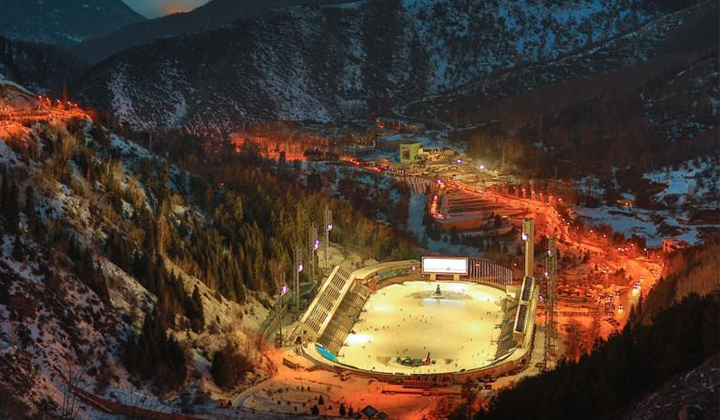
(62, 324)
(63, 22)
(324, 63)
(622, 62)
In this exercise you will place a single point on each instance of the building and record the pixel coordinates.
(433, 153)
(410, 152)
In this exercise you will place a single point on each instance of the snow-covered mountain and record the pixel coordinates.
(324, 63)
(64, 22)
(212, 15)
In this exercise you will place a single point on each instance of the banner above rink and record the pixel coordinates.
(445, 265)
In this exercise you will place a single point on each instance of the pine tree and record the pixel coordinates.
(18, 251)
(197, 317)
(11, 209)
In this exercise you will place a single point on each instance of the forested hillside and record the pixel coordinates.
(39, 67)
(692, 271)
(161, 271)
(675, 330)
(660, 108)
(211, 15)
(332, 62)
(63, 22)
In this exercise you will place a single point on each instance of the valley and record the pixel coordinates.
(401, 209)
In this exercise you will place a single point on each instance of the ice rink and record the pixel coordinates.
(459, 330)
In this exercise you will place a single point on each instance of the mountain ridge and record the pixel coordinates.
(63, 23)
(212, 15)
(324, 63)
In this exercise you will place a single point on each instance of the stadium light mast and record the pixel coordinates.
(313, 245)
(528, 235)
(550, 297)
(297, 268)
(328, 228)
(281, 308)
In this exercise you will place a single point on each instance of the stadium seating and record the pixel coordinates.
(329, 294)
(342, 321)
(521, 318)
(505, 341)
(527, 288)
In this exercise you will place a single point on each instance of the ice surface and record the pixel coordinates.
(459, 330)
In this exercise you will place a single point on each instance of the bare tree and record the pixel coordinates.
(73, 380)
(138, 402)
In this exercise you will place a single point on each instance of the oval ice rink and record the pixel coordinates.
(459, 330)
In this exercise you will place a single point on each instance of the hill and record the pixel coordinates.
(330, 62)
(133, 278)
(39, 67)
(665, 341)
(212, 15)
(63, 22)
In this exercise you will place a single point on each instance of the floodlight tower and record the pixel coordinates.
(281, 308)
(313, 244)
(297, 268)
(550, 297)
(328, 228)
(528, 235)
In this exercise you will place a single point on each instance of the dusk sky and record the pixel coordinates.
(155, 8)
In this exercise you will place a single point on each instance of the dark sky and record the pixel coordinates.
(155, 8)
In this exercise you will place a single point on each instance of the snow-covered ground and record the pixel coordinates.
(687, 186)
(687, 181)
(459, 330)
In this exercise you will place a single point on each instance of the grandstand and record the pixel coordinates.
(342, 321)
(434, 322)
(527, 288)
(323, 307)
(329, 322)
(506, 342)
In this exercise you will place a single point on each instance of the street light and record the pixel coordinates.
(279, 338)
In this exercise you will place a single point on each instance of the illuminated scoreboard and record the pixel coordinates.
(445, 265)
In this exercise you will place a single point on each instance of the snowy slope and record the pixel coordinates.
(332, 62)
(52, 321)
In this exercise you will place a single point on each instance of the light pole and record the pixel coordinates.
(328, 228)
(279, 337)
(297, 268)
(313, 244)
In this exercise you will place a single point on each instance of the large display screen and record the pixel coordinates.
(444, 265)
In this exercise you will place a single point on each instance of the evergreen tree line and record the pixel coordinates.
(687, 271)
(620, 371)
(229, 367)
(155, 356)
(667, 334)
(250, 215)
